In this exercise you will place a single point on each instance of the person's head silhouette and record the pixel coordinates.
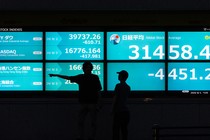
(87, 67)
(123, 75)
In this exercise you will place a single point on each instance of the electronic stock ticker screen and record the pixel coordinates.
(183, 67)
(21, 76)
(189, 65)
(21, 45)
(74, 45)
(126, 48)
(70, 68)
(15, 48)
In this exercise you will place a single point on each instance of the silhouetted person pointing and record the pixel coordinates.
(120, 111)
(89, 87)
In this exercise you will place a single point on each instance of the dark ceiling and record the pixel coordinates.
(105, 5)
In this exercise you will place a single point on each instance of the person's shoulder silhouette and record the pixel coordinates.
(121, 115)
(122, 87)
(89, 84)
(89, 87)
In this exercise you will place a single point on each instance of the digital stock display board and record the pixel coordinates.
(160, 61)
(69, 69)
(21, 45)
(74, 45)
(21, 76)
(142, 76)
(136, 45)
(188, 66)
(189, 45)
(186, 77)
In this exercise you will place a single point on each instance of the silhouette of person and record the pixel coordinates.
(89, 87)
(121, 115)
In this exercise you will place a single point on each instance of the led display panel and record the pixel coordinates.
(142, 76)
(69, 69)
(21, 45)
(21, 76)
(74, 45)
(136, 45)
(189, 45)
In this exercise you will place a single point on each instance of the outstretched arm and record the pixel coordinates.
(60, 76)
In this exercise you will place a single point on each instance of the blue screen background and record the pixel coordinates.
(28, 45)
(197, 40)
(138, 76)
(189, 84)
(55, 49)
(22, 79)
(63, 69)
(121, 50)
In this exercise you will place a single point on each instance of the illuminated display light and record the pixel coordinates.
(74, 46)
(142, 76)
(69, 69)
(21, 76)
(21, 45)
(189, 45)
(135, 45)
(189, 76)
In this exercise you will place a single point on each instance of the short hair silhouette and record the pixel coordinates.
(87, 64)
